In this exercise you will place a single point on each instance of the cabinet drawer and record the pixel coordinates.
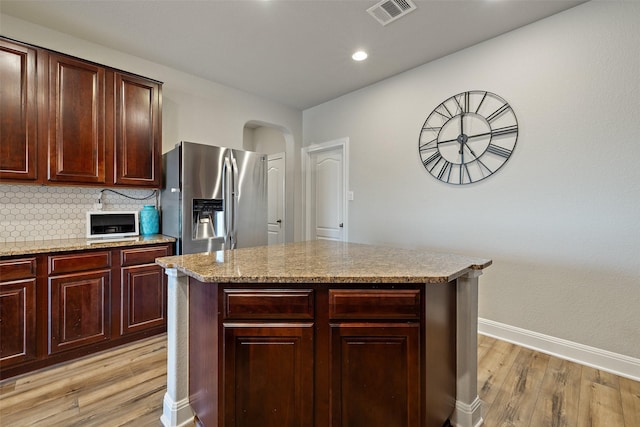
(374, 304)
(81, 261)
(268, 304)
(12, 269)
(136, 256)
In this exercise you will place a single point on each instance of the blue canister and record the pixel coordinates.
(149, 220)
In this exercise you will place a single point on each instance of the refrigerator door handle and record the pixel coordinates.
(227, 191)
(234, 201)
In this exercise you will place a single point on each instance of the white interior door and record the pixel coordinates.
(326, 187)
(275, 197)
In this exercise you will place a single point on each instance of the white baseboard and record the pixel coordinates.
(604, 360)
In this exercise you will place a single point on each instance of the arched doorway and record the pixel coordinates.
(277, 143)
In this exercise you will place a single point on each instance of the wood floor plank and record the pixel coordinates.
(41, 413)
(113, 389)
(138, 400)
(65, 385)
(105, 358)
(493, 367)
(557, 404)
(630, 394)
(484, 345)
(600, 399)
(605, 407)
(516, 400)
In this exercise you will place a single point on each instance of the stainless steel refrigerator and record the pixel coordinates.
(214, 198)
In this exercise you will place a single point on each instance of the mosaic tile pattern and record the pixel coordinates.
(29, 213)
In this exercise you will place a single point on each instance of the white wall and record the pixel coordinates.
(194, 109)
(561, 219)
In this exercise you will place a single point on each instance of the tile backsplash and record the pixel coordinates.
(30, 212)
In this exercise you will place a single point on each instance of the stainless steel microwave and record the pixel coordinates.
(105, 225)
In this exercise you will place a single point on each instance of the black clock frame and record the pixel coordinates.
(443, 142)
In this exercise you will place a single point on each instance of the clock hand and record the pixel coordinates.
(479, 134)
(479, 161)
(470, 150)
(448, 140)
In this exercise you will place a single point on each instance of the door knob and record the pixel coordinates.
(341, 225)
(279, 221)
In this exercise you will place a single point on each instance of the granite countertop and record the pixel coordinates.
(62, 245)
(323, 261)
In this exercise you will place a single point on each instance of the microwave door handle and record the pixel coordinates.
(226, 197)
(234, 198)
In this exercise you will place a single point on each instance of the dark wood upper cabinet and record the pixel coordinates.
(18, 112)
(137, 134)
(67, 121)
(77, 115)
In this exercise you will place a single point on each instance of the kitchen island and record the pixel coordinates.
(322, 333)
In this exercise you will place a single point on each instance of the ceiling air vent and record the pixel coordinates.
(389, 10)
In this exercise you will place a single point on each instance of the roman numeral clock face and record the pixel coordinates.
(468, 137)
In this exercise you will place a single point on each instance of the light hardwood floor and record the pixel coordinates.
(125, 387)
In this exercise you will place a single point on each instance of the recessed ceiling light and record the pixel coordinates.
(360, 55)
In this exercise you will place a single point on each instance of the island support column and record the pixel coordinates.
(176, 411)
(468, 410)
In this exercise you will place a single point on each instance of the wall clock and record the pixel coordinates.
(468, 137)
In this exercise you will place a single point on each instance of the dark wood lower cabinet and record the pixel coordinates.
(144, 299)
(17, 310)
(375, 375)
(79, 310)
(60, 306)
(268, 377)
(309, 355)
(18, 326)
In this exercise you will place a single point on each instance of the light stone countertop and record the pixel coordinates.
(63, 245)
(323, 261)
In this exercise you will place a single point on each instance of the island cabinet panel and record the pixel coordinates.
(77, 146)
(374, 304)
(138, 129)
(268, 373)
(17, 311)
(375, 375)
(18, 112)
(268, 304)
(319, 355)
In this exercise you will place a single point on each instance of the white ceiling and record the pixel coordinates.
(296, 52)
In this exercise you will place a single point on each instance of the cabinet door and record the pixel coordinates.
(375, 375)
(138, 132)
(17, 321)
(268, 375)
(144, 298)
(79, 309)
(18, 115)
(77, 150)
